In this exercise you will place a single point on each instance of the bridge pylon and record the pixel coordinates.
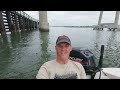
(43, 23)
(110, 26)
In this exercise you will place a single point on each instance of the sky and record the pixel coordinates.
(75, 18)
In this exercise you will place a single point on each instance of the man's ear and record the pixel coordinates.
(70, 48)
(55, 47)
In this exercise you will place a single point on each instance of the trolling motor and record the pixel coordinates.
(87, 59)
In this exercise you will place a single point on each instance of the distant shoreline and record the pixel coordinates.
(75, 26)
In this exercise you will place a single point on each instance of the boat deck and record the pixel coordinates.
(107, 73)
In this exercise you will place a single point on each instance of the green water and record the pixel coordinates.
(22, 54)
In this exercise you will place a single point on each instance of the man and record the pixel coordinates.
(62, 67)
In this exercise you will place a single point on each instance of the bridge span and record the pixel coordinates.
(110, 26)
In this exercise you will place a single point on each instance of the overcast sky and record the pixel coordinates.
(74, 18)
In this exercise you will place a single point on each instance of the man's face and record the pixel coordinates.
(63, 50)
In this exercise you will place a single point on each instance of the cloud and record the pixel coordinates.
(33, 14)
(108, 17)
(72, 17)
(60, 18)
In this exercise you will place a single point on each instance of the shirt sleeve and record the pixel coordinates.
(42, 73)
(83, 74)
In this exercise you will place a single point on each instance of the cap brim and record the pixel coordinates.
(62, 41)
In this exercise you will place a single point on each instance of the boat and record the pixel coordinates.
(92, 69)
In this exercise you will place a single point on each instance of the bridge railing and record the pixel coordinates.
(12, 21)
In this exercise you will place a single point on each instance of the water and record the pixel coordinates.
(22, 54)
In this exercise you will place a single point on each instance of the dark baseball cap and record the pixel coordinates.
(63, 38)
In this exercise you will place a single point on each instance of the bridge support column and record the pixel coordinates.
(98, 27)
(2, 26)
(116, 19)
(100, 18)
(43, 23)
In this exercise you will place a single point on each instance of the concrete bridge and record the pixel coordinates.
(44, 26)
(15, 21)
(18, 20)
(110, 26)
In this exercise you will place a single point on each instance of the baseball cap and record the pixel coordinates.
(63, 38)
